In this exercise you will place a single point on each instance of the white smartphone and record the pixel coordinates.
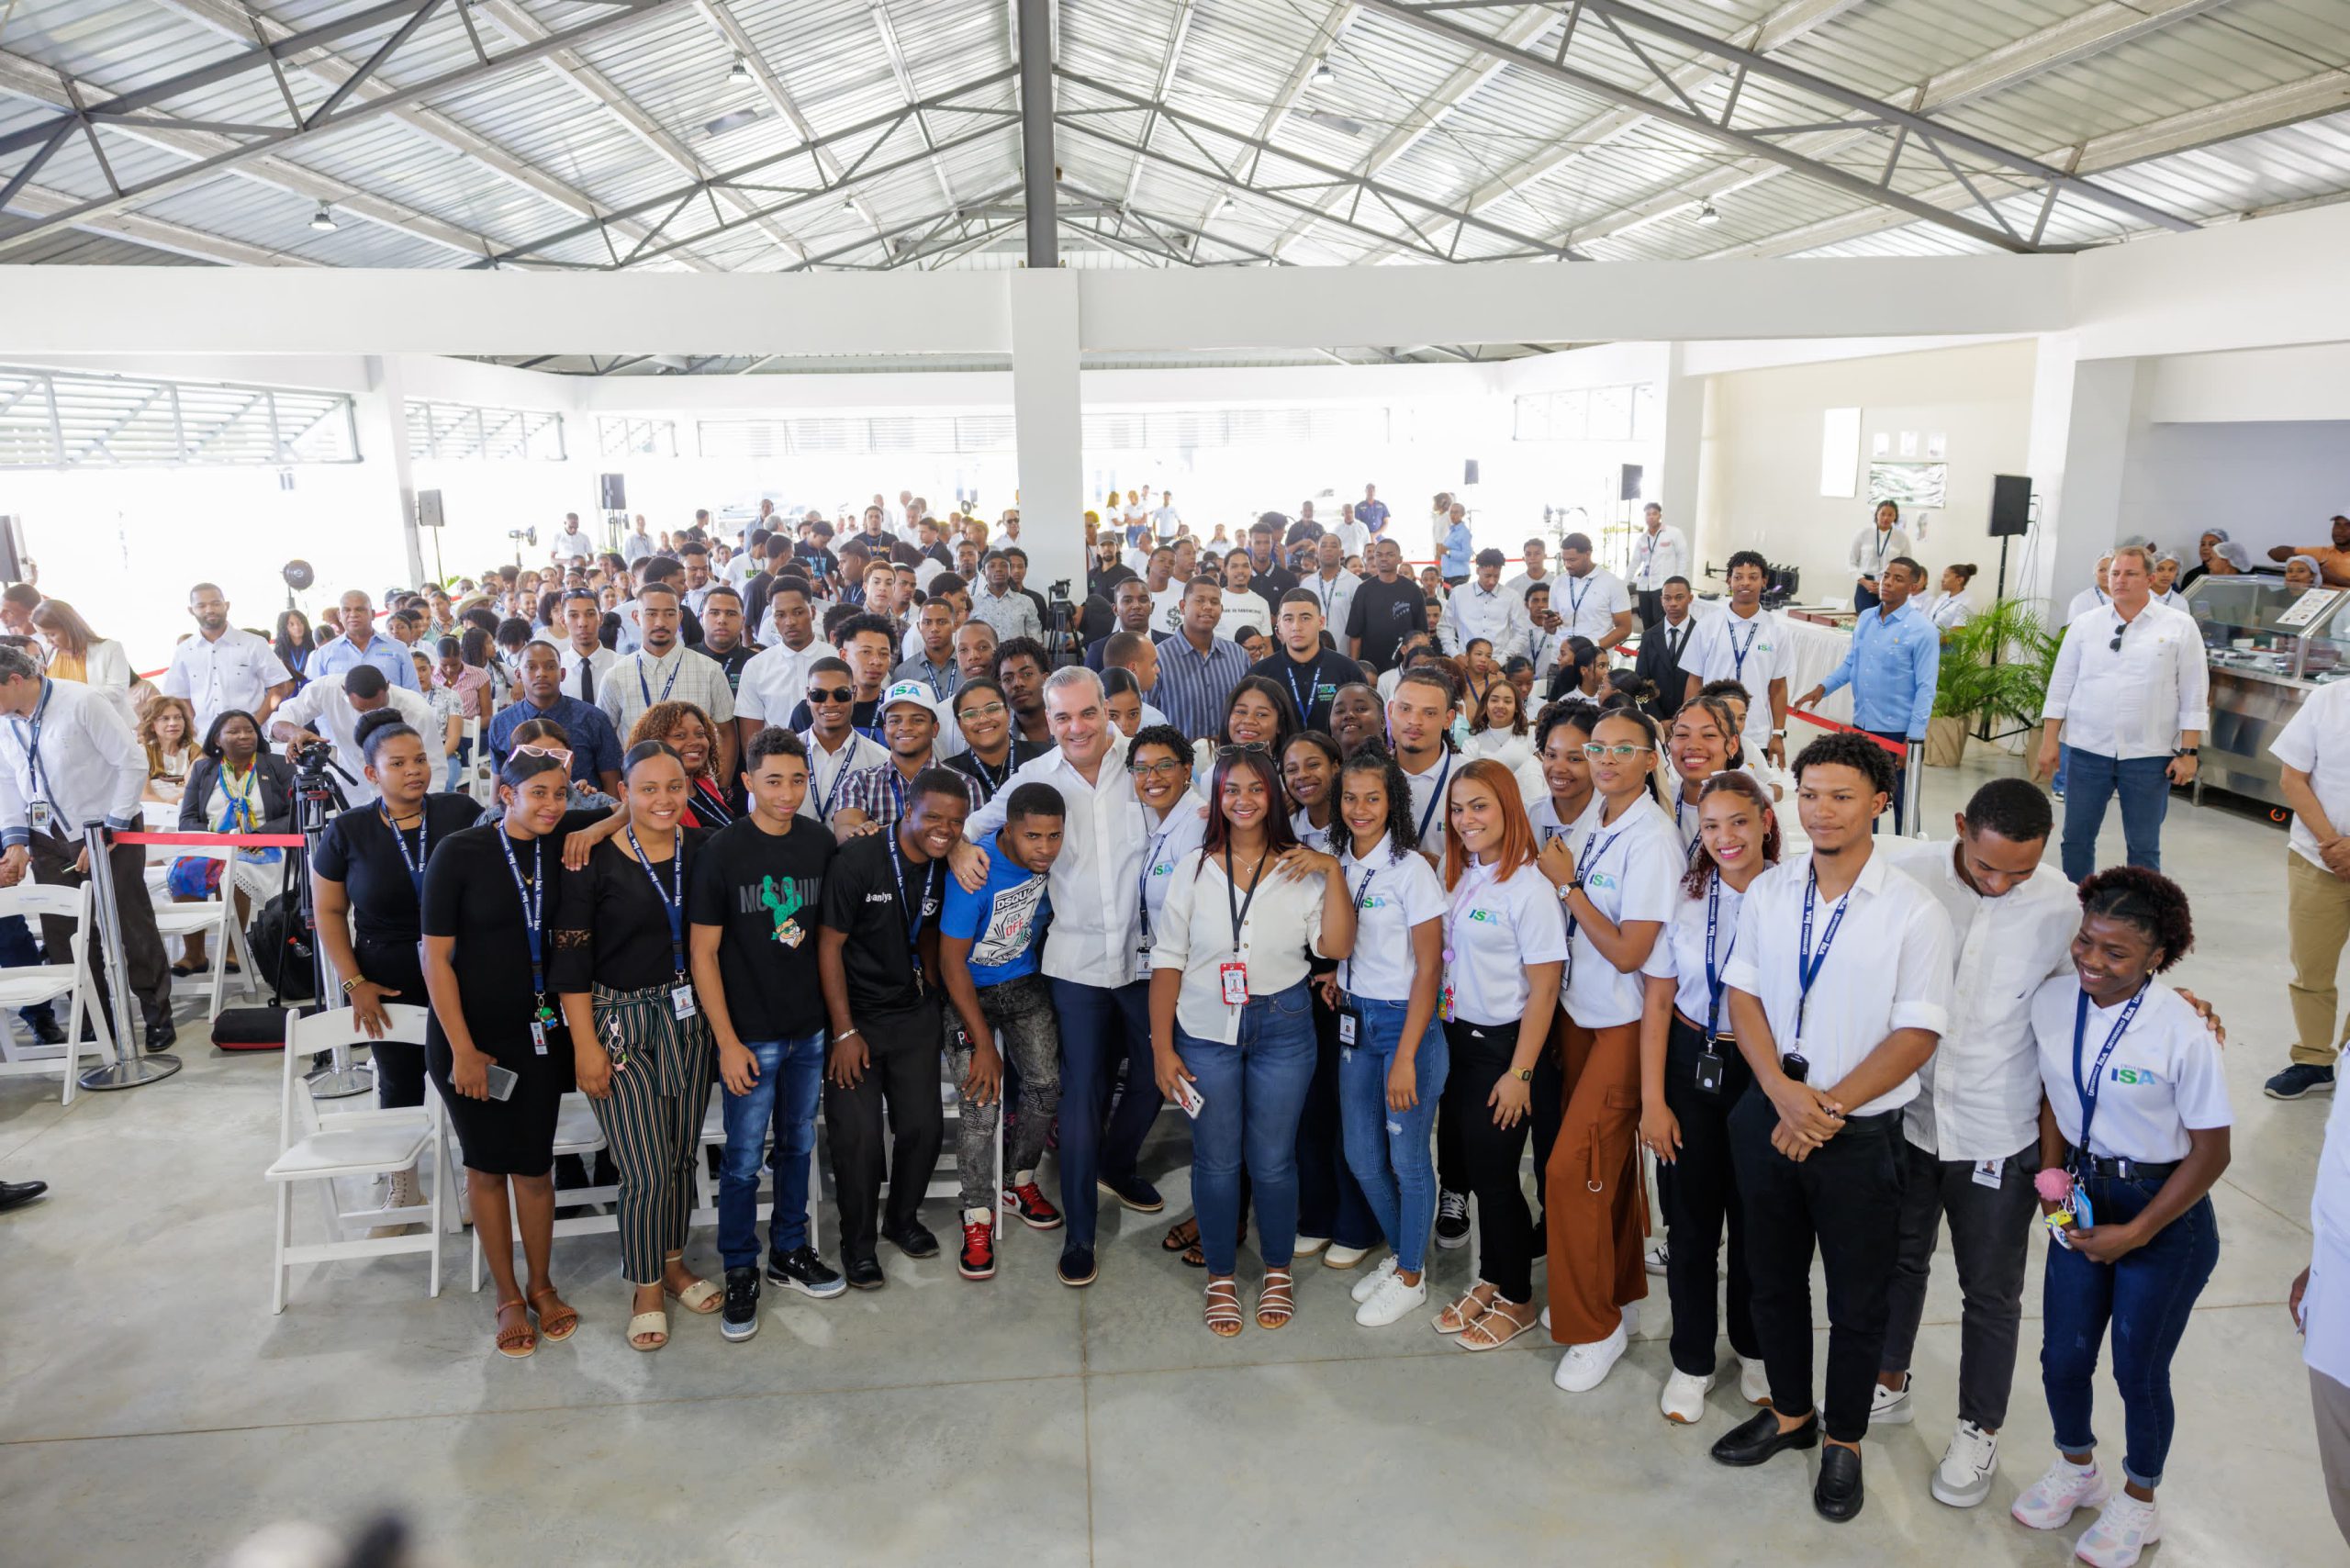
(502, 1080)
(1186, 1095)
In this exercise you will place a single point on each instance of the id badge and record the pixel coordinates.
(1988, 1172)
(1142, 961)
(1234, 978)
(539, 1037)
(41, 816)
(1444, 1005)
(1350, 1025)
(1709, 1072)
(681, 1001)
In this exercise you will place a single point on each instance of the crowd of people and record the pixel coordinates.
(1384, 884)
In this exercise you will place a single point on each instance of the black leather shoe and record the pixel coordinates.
(1837, 1493)
(162, 1033)
(864, 1273)
(1076, 1266)
(17, 1194)
(1759, 1438)
(913, 1238)
(47, 1030)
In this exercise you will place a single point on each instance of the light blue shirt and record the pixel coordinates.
(1457, 548)
(1891, 667)
(385, 651)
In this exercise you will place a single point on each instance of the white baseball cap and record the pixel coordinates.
(917, 692)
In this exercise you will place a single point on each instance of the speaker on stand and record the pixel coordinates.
(1629, 481)
(612, 490)
(2010, 519)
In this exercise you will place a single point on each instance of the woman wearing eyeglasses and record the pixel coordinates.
(1258, 715)
(642, 1049)
(1230, 1020)
(1690, 1074)
(984, 714)
(1504, 948)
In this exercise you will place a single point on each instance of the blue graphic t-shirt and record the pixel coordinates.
(1004, 921)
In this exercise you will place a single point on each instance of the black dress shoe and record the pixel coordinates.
(162, 1033)
(1076, 1266)
(1759, 1438)
(1837, 1493)
(911, 1239)
(47, 1030)
(17, 1194)
(864, 1273)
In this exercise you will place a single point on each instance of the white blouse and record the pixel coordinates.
(2163, 1079)
(1192, 932)
(1950, 610)
(1512, 752)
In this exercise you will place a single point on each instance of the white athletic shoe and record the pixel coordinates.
(2048, 1503)
(1963, 1477)
(1370, 1282)
(2126, 1528)
(1754, 1381)
(1890, 1406)
(1393, 1302)
(1308, 1246)
(1654, 1260)
(1582, 1368)
(1684, 1397)
(1339, 1256)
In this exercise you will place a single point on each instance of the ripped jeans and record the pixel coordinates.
(1388, 1151)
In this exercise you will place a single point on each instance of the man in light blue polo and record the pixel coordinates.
(358, 644)
(1891, 667)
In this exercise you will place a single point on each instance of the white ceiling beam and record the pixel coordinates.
(1340, 18)
(230, 20)
(897, 54)
(780, 97)
(39, 201)
(571, 67)
(1176, 35)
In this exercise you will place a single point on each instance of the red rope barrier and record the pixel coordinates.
(1898, 750)
(212, 840)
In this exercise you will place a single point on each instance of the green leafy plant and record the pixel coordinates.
(2012, 690)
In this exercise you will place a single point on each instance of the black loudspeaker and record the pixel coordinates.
(1469, 472)
(614, 489)
(428, 509)
(1630, 490)
(12, 566)
(2010, 505)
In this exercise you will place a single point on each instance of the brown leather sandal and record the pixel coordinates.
(518, 1335)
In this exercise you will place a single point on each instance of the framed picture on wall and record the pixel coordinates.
(1911, 486)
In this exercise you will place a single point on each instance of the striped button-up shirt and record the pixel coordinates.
(1193, 686)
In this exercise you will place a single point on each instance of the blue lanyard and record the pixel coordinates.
(832, 790)
(668, 686)
(32, 742)
(533, 895)
(1304, 703)
(673, 902)
(1807, 963)
(1584, 863)
(1575, 600)
(2087, 1090)
(1436, 798)
(708, 802)
(1150, 858)
(1361, 888)
(415, 863)
(989, 782)
(1737, 654)
(1714, 981)
(912, 917)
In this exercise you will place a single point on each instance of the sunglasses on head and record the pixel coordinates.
(831, 693)
(556, 752)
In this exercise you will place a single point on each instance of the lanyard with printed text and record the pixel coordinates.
(1362, 889)
(667, 686)
(32, 740)
(1584, 863)
(415, 863)
(2087, 1089)
(533, 894)
(1436, 797)
(1807, 963)
(673, 899)
(912, 916)
(1714, 976)
(1737, 654)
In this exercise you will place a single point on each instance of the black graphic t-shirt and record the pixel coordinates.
(763, 890)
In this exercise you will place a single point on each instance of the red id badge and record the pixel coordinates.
(1234, 975)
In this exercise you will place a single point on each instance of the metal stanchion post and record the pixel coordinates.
(1913, 787)
(129, 1068)
(341, 1078)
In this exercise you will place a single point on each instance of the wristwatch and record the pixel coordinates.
(2188, 751)
(1523, 1074)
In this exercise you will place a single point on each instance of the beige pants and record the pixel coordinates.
(2317, 923)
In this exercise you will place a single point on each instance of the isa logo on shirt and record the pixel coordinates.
(1488, 916)
(2145, 1077)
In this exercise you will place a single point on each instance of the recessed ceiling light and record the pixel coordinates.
(323, 221)
(1707, 213)
(1322, 75)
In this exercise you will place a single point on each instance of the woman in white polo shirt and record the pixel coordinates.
(1391, 1070)
(1690, 1074)
(2134, 1132)
(1565, 728)
(1505, 947)
(1617, 880)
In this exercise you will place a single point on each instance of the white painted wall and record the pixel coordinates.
(2274, 483)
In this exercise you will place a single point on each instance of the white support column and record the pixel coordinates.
(1676, 489)
(2083, 413)
(383, 416)
(1046, 413)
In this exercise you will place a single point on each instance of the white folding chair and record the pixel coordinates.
(323, 1148)
(213, 918)
(713, 1135)
(35, 983)
(477, 777)
(575, 1132)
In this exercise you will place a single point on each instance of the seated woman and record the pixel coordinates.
(1497, 727)
(711, 803)
(167, 733)
(236, 786)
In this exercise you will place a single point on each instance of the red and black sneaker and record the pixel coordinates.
(1027, 1200)
(978, 1262)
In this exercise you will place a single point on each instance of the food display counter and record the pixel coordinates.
(2268, 645)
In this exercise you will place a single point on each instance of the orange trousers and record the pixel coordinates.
(1597, 1206)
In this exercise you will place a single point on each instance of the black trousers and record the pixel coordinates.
(1489, 1156)
(1845, 1199)
(1699, 1199)
(1329, 1200)
(1544, 1114)
(901, 1075)
(399, 1064)
(53, 854)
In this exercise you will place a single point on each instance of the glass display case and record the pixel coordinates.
(2266, 644)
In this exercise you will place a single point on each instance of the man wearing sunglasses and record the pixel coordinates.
(2129, 700)
(836, 749)
(595, 747)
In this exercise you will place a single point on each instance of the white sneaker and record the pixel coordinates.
(1546, 1320)
(2126, 1528)
(2049, 1501)
(1308, 1246)
(1684, 1397)
(1754, 1381)
(1370, 1282)
(1890, 1406)
(1963, 1477)
(1654, 1260)
(1393, 1302)
(1583, 1366)
(1340, 1256)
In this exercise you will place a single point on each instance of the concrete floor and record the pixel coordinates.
(153, 1412)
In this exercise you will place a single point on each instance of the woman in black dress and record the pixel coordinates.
(642, 1049)
(490, 898)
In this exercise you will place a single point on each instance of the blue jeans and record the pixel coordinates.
(2146, 1297)
(2145, 799)
(791, 1076)
(2064, 766)
(1388, 1151)
(1098, 1025)
(1255, 1090)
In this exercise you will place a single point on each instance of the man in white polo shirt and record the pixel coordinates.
(1658, 553)
(2312, 754)
(224, 666)
(1589, 600)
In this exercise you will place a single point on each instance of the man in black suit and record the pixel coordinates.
(1659, 659)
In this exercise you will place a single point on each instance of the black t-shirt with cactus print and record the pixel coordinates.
(763, 890)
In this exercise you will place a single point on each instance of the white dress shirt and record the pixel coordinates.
(1631, 871)
(1872, 547)
(776, 680)
(324, 706)
(1097, 878)
(1427, 799)
(829, 772)
(1495, 614)
(1394, 895)
(1193, 933)
(575, 544)
(1524, 580)
(1659, 555)
(234, 670)
(1950, 610)
(599, 664)
(1353, 537)
(2325, 1303)
(1979, 1092)
(87, 767)
(2088, 598)
(2132, 701)
(1753, 650)
(1888, 968)
(2163, 1080)
(1587, 606)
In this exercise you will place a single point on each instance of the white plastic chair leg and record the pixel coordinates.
(281, 1237)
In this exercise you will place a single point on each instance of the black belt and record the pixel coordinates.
(2120, 1170)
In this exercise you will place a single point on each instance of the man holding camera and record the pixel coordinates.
(327, 712)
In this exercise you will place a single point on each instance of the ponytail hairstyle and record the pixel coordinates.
(1647, 725)
(1403, 833)
(1702, 870)
(375, 729)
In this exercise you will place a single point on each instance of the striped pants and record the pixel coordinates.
(651, 1119)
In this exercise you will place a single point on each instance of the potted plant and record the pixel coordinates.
(1971, 686)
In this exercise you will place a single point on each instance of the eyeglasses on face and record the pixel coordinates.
(1623, 751)
(831, 693)
(1168, 768)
